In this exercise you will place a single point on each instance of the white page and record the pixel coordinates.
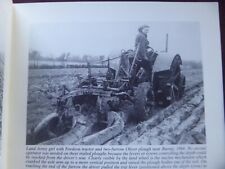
(29, 16)
(5, 47)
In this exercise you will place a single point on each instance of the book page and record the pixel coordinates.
(5, 28)
(116, 85)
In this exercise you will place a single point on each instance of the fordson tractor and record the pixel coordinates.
(117, 89)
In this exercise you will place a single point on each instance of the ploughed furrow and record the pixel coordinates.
(200, 126)
(158, 134)
(193, 86)
(153, 131)
(132, 133)
(70, 137)
(115, 127)
(78, 135)
(174, 136)
(196, 135)
(191, 121)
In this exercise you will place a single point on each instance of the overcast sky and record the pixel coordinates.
(110, 38)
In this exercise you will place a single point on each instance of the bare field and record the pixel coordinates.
(180, 123)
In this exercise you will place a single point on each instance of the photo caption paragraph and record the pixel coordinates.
(124, 157)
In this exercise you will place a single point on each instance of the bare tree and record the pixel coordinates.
(35, 57)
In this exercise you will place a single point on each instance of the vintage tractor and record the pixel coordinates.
(117, 91)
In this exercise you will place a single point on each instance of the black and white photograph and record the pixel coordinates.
(115, 83)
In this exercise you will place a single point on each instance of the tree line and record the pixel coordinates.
(66, 56)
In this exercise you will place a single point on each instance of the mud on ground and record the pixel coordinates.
(180, 123)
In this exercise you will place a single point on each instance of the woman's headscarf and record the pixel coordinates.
(142, 27)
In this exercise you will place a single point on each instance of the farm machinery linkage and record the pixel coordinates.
(111, 93)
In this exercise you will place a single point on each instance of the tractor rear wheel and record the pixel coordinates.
(181, 86)
(142, 96)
